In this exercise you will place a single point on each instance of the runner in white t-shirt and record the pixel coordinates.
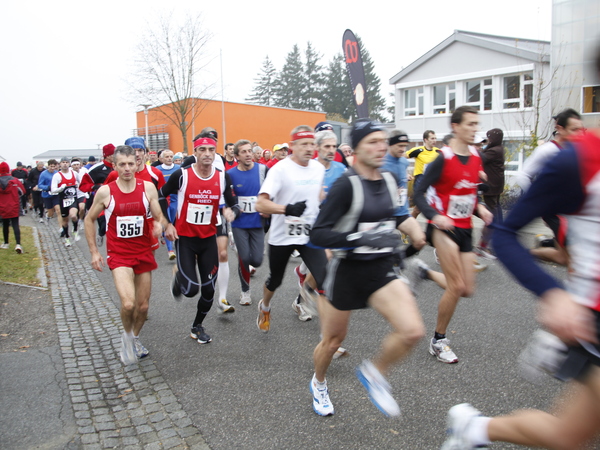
(291, 194)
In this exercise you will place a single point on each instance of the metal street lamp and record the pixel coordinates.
(146, 114)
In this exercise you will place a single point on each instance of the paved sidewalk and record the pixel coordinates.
(114, 406)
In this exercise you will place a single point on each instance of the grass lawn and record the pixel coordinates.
(20, 268)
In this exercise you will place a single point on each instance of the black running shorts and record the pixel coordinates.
(349, 284)
(463, 237)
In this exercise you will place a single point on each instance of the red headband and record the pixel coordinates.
(303, 135)
(204, 141)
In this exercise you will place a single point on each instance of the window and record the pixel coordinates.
(413, 102)
(487, 94)
(478, 94)
(444, 98)
(517, 91)
(591, 99)
(439, 99)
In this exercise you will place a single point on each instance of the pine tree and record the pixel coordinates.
(337, 96)
(315, 79)
(263, 92)
(290, 84)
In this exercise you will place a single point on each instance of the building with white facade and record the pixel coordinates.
(575, 43)
(507, 79)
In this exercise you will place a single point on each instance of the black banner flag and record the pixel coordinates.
(356, 72)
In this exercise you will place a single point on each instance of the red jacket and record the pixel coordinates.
(11, 190)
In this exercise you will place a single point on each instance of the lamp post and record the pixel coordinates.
(146, 117)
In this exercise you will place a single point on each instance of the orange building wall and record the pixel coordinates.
(266, 125)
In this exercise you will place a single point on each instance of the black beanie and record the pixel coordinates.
(362, 128)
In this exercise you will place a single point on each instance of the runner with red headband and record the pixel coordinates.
(291, 194)
(199, 189)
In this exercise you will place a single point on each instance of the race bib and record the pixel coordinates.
(199, 214)
(402, 193)
(461, 206)
(130, 226)
(382, 226)
(67, 202)
(247, 204)
(296, 226)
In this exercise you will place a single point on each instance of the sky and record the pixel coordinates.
(65, 64)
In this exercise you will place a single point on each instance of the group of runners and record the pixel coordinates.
(347, 215)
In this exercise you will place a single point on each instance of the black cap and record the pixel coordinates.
(92, 158)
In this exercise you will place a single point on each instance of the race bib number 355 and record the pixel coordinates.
(130, 226)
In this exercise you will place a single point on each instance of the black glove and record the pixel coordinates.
(296, 209)
(483, 188)
(379, 239)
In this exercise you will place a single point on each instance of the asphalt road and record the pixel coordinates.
(249, 390)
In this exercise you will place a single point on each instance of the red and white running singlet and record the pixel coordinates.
(128, 230)
(198, 202)
(454, 195)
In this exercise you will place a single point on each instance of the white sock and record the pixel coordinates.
(303, 269)
(319, 384)
(129, 334)
(265, 308)
(477, 431)
(223, 279)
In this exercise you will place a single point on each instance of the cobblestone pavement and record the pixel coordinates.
(115, 406)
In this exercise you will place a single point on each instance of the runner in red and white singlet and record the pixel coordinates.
(128, 203)
(199, 189)
(450, 182)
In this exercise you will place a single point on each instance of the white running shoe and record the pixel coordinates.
(378, 388)
(245, 298)
(340, 353)
(479, 267)
(224, 306)
(18, 249)
(458, 421)
(127, 349)
(5, 246)
(42, 220)
(67, 242)
(442, 351)
(140, 350)
(99, 240)
(76, 236)
(252, 270)
(321, 403)
(172, 255)
(484, 253)
(302, 314)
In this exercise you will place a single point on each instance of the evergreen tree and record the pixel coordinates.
(337, 96)
(315, 79)
(290, 86)
(263, 92)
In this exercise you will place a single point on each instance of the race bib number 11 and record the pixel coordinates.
(199, 214)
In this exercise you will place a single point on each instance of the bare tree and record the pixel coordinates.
(171, 59)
